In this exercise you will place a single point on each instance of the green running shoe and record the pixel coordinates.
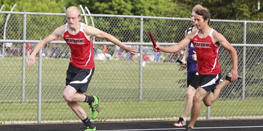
(95, 107)
(88, 129)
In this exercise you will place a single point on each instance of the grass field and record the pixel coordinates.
(127, 110)
(117, 85)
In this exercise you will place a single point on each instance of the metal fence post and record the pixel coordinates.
(23, 59)
(244, 61)
(140, 66)
(39, 86)
(208, 112)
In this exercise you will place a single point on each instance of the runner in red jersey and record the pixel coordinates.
(189, 59)
(81, 48)
(206, 42)
(207, 53)
(81, 67)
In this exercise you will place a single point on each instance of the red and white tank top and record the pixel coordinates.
(207, 55)
(81, 49)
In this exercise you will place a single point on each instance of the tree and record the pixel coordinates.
(219, 9)
(229, 9)
(54, 6)
(14, 26)
(133, 7)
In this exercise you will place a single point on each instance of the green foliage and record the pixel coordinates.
(229, 9)
(53, 6)
(219, 9)
(128, 28)
(132, 7)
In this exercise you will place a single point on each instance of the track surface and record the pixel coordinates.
(210, 125)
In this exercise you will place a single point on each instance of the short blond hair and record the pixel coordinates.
(73, 8)
(199, 7)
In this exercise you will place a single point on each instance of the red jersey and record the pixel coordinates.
(81, 49)
(207, 55)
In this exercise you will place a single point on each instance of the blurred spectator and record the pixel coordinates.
(157, 56)
(28, 48)
(105, 49)
(55, 48)
(58, 51)
(178, 54)
(135, 56)
(116, 52)
(8, 46)
(172, 56)
(145, 57)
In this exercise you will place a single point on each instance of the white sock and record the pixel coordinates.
(184, 118)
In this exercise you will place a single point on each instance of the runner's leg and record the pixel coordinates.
(198, 97)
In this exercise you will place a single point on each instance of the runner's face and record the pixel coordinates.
(72, 19)
(192, 17)
(199, 21)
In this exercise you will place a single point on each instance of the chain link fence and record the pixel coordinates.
(145, 86)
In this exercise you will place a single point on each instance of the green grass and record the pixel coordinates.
(127, 110)
(117, 85)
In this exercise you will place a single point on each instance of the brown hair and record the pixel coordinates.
(199, 7)
(204, 13)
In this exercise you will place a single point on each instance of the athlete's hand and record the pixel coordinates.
(131, 49)
(157, 48)
(30, 60)
(234, 75)
(183, 62)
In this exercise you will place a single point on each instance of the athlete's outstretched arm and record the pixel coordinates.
(179, 46)
(58, 32)
(92, 31)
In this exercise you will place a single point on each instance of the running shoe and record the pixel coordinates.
(229, 76)
(88, 129)
(180, 122)
(189, 128)
(95, 108)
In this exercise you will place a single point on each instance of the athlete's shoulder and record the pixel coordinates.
(90, 30)
(62, 27)
(86, 27)
(215, 32)
(218, 38)
(217, 35)
(191, 35)
(60, 30)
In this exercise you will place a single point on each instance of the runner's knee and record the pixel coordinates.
(189, 95)
(67, 97)
(197, 99)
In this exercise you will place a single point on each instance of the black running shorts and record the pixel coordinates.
(194, 82)
(79, 78)
(209, 82)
